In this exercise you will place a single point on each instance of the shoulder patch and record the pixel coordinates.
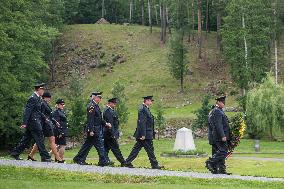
(91, 109)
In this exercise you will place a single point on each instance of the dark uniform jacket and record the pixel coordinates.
(145, 123)
(94, 118)
(47, 119)
(110, 116)
(60, 116)
(32, 113)
(218, 126)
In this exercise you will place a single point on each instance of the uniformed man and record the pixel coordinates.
(61, 132)
(144, 134)
(218, 135)
(111, 134)
(33, 127)
(48, 123)
(93, 129)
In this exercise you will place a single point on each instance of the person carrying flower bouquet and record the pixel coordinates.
(218, 135)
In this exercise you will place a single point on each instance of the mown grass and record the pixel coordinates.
(29, 178)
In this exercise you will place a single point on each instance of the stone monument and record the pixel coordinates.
(184, 140)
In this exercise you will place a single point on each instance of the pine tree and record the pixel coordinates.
(121, 108)
(177, 62)
(201, 120)
(159, 119)
(77, 113)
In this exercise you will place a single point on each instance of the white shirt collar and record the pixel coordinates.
(146, 105)
(109, 107)
(36, 94)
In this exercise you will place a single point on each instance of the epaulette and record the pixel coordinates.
(91, 109)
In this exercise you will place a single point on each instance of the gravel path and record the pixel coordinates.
(128, 171)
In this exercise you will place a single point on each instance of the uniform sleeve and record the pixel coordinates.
(142, 119)
(108, 117)
(56, 118)
(28, 110)
(219, 124)
(90, 119)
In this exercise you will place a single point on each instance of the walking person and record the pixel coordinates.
(218, 135)
(111, 134)
(32, 123)
(93, 131)
(62, 131)
(144, 135)
(48, 124)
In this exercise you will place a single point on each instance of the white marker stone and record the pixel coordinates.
(184, 140)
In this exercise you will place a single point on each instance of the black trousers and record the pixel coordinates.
(220, 150)
(38, 136)
(148, 146)
(90, 141)
(111, 143)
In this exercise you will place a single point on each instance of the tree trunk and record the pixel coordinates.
(199, 28)
(163, 22)
(275, 43)
(188, 18)
(103, 8)
(182, 70)
(207, 16)
(142, 12)
(167, 20)
(52, 63)
(219, 30)
(156, 13)
(245, 41)
(130, 10)
(193, 19)
(150, 15)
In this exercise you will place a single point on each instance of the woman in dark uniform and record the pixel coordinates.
(48, 124)
(61, 131)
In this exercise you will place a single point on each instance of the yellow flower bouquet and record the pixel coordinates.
(237, 129)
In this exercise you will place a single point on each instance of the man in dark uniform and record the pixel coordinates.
(144, 134)
(218, 135)
(93, 130)
(111, 134)
(32, 123)
(48, 123)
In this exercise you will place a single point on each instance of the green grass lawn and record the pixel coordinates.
(30, 178)
(235, 165)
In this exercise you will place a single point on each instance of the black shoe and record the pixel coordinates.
(62, 161)
(103, 164)
(129, 165)
(111, 163)
(82, 163)
(210, 167)
(158, 167)
(46, 160)
(30, 158)
(16, 157)
(222, 170)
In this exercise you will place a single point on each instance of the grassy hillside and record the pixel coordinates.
(144, 71)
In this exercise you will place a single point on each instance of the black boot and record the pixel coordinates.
(222, 170)
(30, 158)
(16, 157)
(210, 166)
